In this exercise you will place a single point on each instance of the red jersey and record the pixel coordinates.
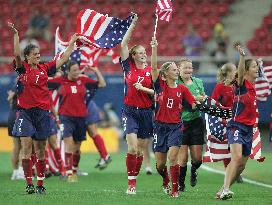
(72, 94)
(132, 75)
(169, 101)
(32, 85)
(244, 106)
(223, 94)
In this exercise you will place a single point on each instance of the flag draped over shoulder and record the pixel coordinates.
(84, 55)
(164, 10)
(100, 30)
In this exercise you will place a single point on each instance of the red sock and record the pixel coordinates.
(100, 145)
(165, 176)
(27, 167)
(57, 156)
(174, 172)
(40, 167)
(69, 163)
(139, 161)
(46, 158)
(34, 158)
(76, 159)
(226, 162)
(131, 166)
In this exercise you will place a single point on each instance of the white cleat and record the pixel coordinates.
(226, 194)
(166, 189)
(131, 190)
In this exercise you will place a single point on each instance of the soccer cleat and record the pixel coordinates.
(40, 190)
(226, 194)
(131, 190)
(174, 195)
(148, 171)
(72, 178)
(193, 179)
(30, 189)
(166, 189)
(103, 163)
(239, 179)
(181, 188)
(81, 173)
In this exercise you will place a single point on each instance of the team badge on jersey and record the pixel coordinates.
(79, 82)
(147, 74)
(42, 72)
(178, 94)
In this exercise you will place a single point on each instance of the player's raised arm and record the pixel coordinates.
(65, 57)
(17, 51)
(241, 65)
(124, 44)
(155, 72)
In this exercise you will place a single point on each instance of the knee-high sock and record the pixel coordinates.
(131, 161)
(76, 159)
(40, 167)
(27, 167)
(195, 166)
(182, 175)
(174, 172)
(164, 174)
(139, 161)
(69, 163)
(100, 145)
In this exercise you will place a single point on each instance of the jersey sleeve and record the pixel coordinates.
(19, 70)
(187, 95)
(215, 93)
(55, 83)
(50, 67)
(158, 85)
(90, 83)
(125, 65)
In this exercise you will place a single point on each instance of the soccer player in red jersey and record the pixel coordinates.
(72, 92)
(223, 93)
(137, 110)
(240, 128)
(168, 124)
(33, 102)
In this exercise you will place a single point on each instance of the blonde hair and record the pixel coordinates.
(223, 72)
(164, 68)
(185, 60)
(132, 52)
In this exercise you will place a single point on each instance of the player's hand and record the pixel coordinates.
(12, 27)
(200, 98)
(154, 42)
(138, 86)
(240, 49)
(260, 62)
(74, 38)
(134, 19)
(93, 68)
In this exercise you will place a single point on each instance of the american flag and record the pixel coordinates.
(88, 55)
(164, 10)
(263, 83)
(100, 30)
(217, 127)
(218, 150)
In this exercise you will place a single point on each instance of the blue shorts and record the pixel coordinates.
(93, 113)
(74, 126)
(238, 133)
(33, 122)
(53, 127)
(11, 121)
(138, 121)
(166, 135)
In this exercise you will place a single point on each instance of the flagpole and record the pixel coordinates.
(156, 24)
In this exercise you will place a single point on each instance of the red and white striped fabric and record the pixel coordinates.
(89, 55)
(164, 10)
(263, 84)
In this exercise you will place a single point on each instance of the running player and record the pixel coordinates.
(193, 133)
(72, 90)
(240, 128)
(168, 124)
(137, 110)
(33, 103)
(223, 94)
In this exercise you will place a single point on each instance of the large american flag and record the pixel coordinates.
(164, 10)
(217, 148)
(100, 30)
(88, 55)
(263, 83)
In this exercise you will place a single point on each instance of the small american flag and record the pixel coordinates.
(263, 83)
(100, 30)
(164, 10)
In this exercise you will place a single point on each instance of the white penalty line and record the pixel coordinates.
(209, 169)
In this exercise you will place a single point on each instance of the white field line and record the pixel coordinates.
(209, 169)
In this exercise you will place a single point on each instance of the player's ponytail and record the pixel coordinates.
(223, 72)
